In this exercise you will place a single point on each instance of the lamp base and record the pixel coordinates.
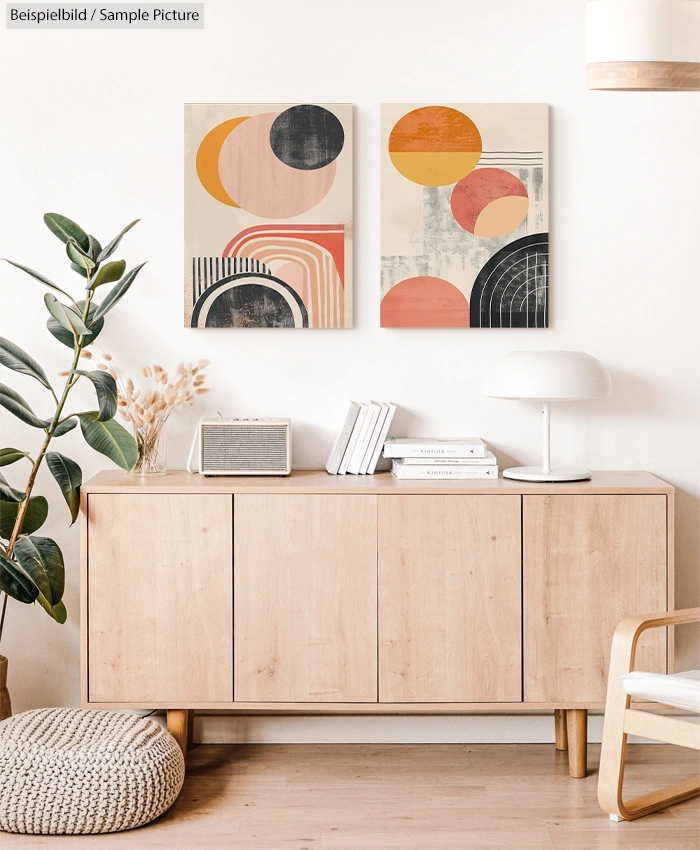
(536, 473)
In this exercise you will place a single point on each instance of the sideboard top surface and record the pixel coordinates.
(319, 481)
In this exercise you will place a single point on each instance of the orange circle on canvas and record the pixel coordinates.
(424, 302)
(435, 145)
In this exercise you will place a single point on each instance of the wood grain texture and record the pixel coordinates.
(160, 598)
(449, 599)
(319, 481)
(577, 737)
(643, 76)
(179, 727)
(588, 561)
(561, 739)
(671, 581)
(305, 591)
(84, 696)
(398, 797)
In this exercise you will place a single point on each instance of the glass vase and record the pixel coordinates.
(151, 445)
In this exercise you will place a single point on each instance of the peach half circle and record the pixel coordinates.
(501, 216)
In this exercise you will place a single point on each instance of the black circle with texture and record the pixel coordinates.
(251, 304)
(307, 137)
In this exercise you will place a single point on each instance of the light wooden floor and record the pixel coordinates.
(401, 797)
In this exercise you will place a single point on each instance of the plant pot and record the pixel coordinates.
(5, 706)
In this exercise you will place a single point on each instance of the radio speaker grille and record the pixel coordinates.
(244, 448)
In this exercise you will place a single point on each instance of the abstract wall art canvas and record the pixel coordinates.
(268, 215)
(464, 206)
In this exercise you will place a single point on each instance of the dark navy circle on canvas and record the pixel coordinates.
(307, 137)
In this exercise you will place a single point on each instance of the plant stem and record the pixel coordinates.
(70, 382)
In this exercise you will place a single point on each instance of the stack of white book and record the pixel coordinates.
(422, 457)
(359, 443)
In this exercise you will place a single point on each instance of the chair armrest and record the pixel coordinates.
(665, 618)
(624, 643)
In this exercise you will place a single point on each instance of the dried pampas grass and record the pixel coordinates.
(148, 409)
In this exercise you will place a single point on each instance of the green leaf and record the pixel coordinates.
(112, 247)
(66, 229)
(57, 611)
(14, 402)
(118, 292)
(42, 560)
(110, 439)
(66, 337)
(80, 269)
(75, 255)
(8, 493)
(39, 277)
(15, 582)
(108, 273)
(95, 247)
(34, 518)
(15, 358)
(65, 426)
(69, 477)
(67, 318)
(106, 389)
(8, 456)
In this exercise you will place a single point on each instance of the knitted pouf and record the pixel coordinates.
(64, 770)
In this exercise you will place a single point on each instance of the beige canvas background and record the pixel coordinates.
(210, 225)
(460, 255)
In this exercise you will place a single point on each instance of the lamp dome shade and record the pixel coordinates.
(643, 45)
(547, 376)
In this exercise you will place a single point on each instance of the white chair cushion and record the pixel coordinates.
(680, 690)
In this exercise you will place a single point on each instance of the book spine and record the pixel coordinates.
(373, 439)
(361, 446)
(451, 461)
(416, 473)
(382, 437)
(413, 450)
(336, 456)
(353, 440)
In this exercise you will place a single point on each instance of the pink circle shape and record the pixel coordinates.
(262, 184)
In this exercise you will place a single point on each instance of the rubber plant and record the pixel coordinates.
(31, 566)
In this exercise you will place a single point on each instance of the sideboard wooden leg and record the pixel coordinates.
(190, 728)
(577, 733)
(561, 739)
(177, 726)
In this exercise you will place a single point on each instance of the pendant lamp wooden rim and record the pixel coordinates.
(643, 45)
(643, 76)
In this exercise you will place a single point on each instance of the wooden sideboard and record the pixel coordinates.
(363, 594)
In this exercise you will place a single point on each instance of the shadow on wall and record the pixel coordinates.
(635, 394)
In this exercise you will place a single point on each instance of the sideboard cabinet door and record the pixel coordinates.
(159, 598)
(449, 599)
(305, 598)
(589, 561)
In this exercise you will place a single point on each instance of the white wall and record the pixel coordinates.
(92, 127)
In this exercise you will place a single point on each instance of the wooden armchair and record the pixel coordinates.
(678, 690)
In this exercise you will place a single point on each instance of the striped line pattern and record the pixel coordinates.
(206, 271)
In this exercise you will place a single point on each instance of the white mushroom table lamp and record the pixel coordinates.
(547, 376)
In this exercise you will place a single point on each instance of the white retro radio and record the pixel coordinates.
(243, 447)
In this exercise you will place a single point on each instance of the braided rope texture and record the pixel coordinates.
(71, 771)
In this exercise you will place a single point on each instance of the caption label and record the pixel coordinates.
(104, 16)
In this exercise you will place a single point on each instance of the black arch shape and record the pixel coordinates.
(194, 323)
(497, 277)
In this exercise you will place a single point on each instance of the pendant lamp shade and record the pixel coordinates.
(643, 45)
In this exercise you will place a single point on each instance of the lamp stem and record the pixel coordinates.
(545, 437)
